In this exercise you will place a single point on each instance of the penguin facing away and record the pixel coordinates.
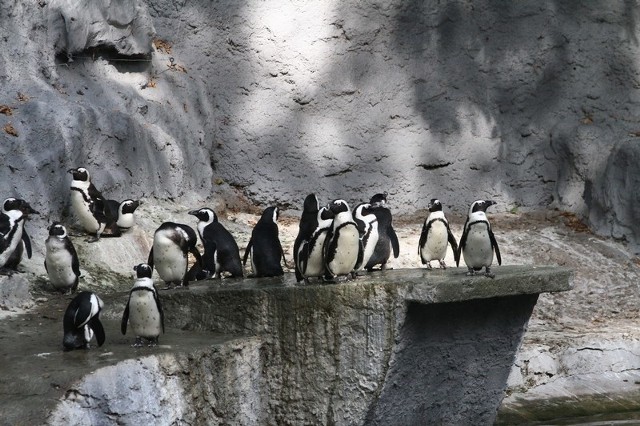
(221, 252)
(368, 228)
(387, 238)
(82, 321)
(172, 243)
(264, 246)
(90, 207)
(308, 224)
(61, 260)
(15, 239)
(478, 243)
(435, 236)
(310, 255)
(342, 246)
(143, 311)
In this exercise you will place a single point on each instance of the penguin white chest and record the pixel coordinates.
(81, 208)
(435, 247)
(168, 258)
(346, 251)
(13, 243)
(59, 264)
(478, 251)
(126, 220)
(144, 316)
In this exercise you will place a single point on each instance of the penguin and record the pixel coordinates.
(144, 310)
(310, 256)
(342, 246)
(172, 243)
(90, 207)
(264, 246)
(387, 238)
(123, 212)
(61, 259)
(82, 321)
(221, 252)
(478, 243)
(368, 228)
(308, 224)
(435, 236)
(15, 239)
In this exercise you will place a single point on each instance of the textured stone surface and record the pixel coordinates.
(531, 104)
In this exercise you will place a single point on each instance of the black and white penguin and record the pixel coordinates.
(342, 246)
(61, 259)
(264, 246)
(143, 311)
(172, 243)
(478, 243)
(387, 238)
(221, 252)
(123, 212)
(15, 239)
(82, 320)
(310, 256)
(308, 224)
(368, 228)
(90, 207)
(435, 237)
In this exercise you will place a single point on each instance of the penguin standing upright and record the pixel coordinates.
(14, 214)
(61, 260)
(387, 238)
(221, 252)
(368, 228)
(123, 212)
(342, 246)
(310, 255)
(264, 246)
(435, 236)
(172, 243)
(90, 207)
(308, 224)
(144, 310)
(478, 243)
(82, 320)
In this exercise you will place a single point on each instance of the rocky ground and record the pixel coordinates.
(600, 312)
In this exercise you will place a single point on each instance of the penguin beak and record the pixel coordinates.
(490, 202)
(193, 212)
(71, 170)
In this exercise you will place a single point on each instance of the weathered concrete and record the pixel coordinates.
(393, 347)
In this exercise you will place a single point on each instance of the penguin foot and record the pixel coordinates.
(442, 264)
(487, 273)
(471, 272)
(92, 240)
(429, 265)
(8, 272)
(138, 343)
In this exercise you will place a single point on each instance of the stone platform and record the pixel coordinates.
(395, 347)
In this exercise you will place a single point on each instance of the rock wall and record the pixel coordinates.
(534, 105)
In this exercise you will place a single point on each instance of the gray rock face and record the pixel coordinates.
(530, 104)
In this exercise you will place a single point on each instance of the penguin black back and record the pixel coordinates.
(308, 224)
(82, 320)
(387, 238)
(264, 246)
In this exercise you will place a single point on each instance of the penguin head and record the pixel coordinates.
(434, 205)
(204, 215)
(270, 214)
(143, 270)
(378, 200)
(13, 204)
(481, 205)
(80, 174)
(58, 230)
(325, 214)
(129, 206)
(338, 206)
(364, 212)
(311, 203)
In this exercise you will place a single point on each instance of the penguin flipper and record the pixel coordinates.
(27, 242)
(125, 318)
(98, 329)
(159, 305)
(150, 259)
(454, 245)
(395, 245)
(494, 244)
(45, 266)
(75, 263)
(463, 241)
(246, 252)
(360, 255)
(423, 237)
